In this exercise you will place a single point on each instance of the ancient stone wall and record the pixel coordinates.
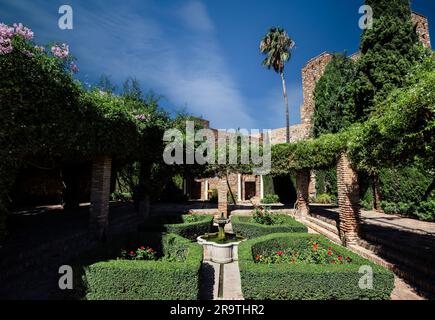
(297, 132)
(311, 73)
(422, 27)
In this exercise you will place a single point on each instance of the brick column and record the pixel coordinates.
(100, 194)
(302, 192)
(348, 200)
(312, 188)
(223, 197)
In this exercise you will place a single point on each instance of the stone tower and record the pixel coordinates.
(422, 27)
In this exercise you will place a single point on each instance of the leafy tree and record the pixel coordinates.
(388, 52)
(333, 96)
(105, 84)
(277, 45)
(131, 89)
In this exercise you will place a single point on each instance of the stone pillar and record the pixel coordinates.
(258, 188)
(312, 188)
(302, 192)
(348, 201)
(261, 188)
(185, 186)
(206, 190)
(223, 197)
(239, 187)
(100, 195)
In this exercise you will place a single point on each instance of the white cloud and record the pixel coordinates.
(182, 62)
(194, 14)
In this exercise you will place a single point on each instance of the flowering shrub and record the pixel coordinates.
(306, 267)
(262, 215)
(314, 254)
(141, 253)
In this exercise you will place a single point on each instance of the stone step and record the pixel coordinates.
(324, 219)
(323, 224)
(330, 235)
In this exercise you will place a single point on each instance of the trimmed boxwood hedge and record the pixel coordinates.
(177, 225)
(307, 282)
(246, 227)
(147, 280)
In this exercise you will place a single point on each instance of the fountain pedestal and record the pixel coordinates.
(219, 253)
(220, 247)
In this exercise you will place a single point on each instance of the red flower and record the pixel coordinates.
(142, 248)
(348, 259)
(257, 257)
(340, 258)
(132, 253)
(330, 253)
(280, 253)
(315, 246)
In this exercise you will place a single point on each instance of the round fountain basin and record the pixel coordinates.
(220, 251)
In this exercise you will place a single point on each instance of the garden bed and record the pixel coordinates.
(188, 226)
(247, 227)
(122, 271)
(307, 267)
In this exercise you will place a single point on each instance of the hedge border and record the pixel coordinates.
(252, 230)
(188, 230)
(309, 282)
(146, 280)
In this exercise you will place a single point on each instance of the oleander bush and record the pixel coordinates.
(248, 228)
(173, 276)
(320, 276)
(188, 226)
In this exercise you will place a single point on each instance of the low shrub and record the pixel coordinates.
(174, 276)
(121, 196)
(270, 198)
(307, 281)
(187, 226)
(248, 228)
(366, 205)
(424, 211)
(323, 198)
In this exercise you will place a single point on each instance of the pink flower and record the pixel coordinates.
(142, 117)
(28, 53)
(40, 48)
(6, 31)
(61, 52)
(23, 31)
(73, 67)
(6, 34)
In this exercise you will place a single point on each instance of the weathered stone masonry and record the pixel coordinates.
(348, 200)
(100, 195)
(302, 191)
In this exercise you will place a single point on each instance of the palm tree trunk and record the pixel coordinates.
(287, 117)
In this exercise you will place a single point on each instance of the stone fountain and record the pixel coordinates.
(220, 247)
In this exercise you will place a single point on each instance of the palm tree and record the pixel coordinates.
(277, 45)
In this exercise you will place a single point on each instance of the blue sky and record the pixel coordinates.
(200, 55)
